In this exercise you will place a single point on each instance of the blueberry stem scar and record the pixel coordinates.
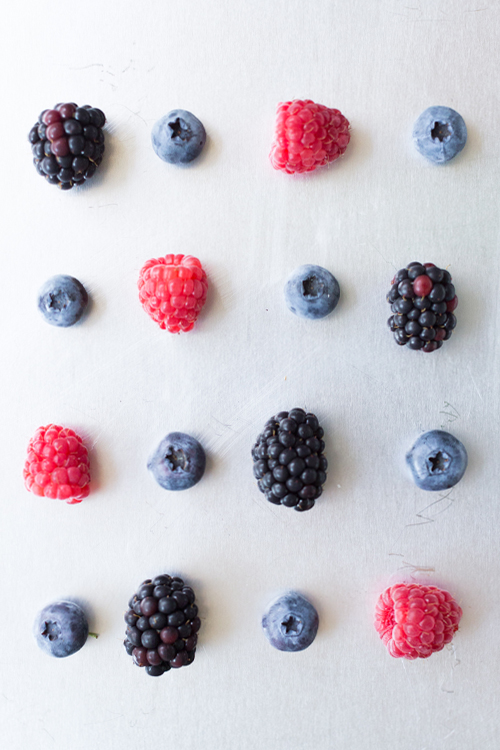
(291, 625)
(441, 131)
(438, 462)
(176, 459)
(178, 131)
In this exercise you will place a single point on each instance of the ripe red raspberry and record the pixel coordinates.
(57, 465)
(307, 135)
(173, 290)
(414, 620)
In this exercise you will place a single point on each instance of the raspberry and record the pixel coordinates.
(414, 620)
(307, 135)
(173, 290)
(67, 144)
(57, 465)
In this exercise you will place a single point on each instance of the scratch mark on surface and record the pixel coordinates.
(84, 67)
(135, 113)
(474, 383)
(429, 518)
(46, 730)
(453, 415)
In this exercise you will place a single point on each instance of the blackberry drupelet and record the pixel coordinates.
(288, 460)
(67, 143)
(162, 625)
(422, 300)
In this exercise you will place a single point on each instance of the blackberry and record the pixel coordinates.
(67, 143)
(162, 625)
(289, 464)
(422, 300)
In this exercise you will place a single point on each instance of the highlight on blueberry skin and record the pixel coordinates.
(62, 300)
(311, 292)
(178, 463)
(61, 629)
(178, 137)
(437, 460)
(439, 134)
(290, 622)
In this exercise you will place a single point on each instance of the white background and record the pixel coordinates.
(122, 383)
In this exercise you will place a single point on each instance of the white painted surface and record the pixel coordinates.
(122, 383)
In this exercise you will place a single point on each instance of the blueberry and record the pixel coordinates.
(61, 629)
(439, 134)
(62, 300)
(437, 460)
(312, 292)
(178, 137)
(290, 622)
(178, 463)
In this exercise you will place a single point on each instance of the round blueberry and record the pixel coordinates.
(61, 629)
(178, 463)
(312, 292)
(290, 622)
(62, 300)
(178, 137)
(437, 460)
(439, 134)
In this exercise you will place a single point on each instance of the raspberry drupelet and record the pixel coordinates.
(414, 620)
(173, 290)
(57, 465)
(307, 135)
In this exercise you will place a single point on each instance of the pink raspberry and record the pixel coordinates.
(414, 620)
(307, 135)
(57, 465)
(173, 290)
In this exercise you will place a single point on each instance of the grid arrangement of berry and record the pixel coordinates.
(422, 299)
(67, 143)
(162, 625)
(288, 459)
(415, 620)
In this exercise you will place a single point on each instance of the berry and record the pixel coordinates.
(173, 290)
(312, 292)
(57, 465)
(66, 152)
(62, 300)
(178, 137)
(288, 460)
(157, 640)
(437, 460)
(439, 134)
(290, 622)
(415, 620)
(422, 299)
(178, 462)
(307, 136)
(61, 629)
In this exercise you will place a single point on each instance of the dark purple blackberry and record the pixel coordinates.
(67, 144)
(162, 625)
(422, 299)
(288, 460)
